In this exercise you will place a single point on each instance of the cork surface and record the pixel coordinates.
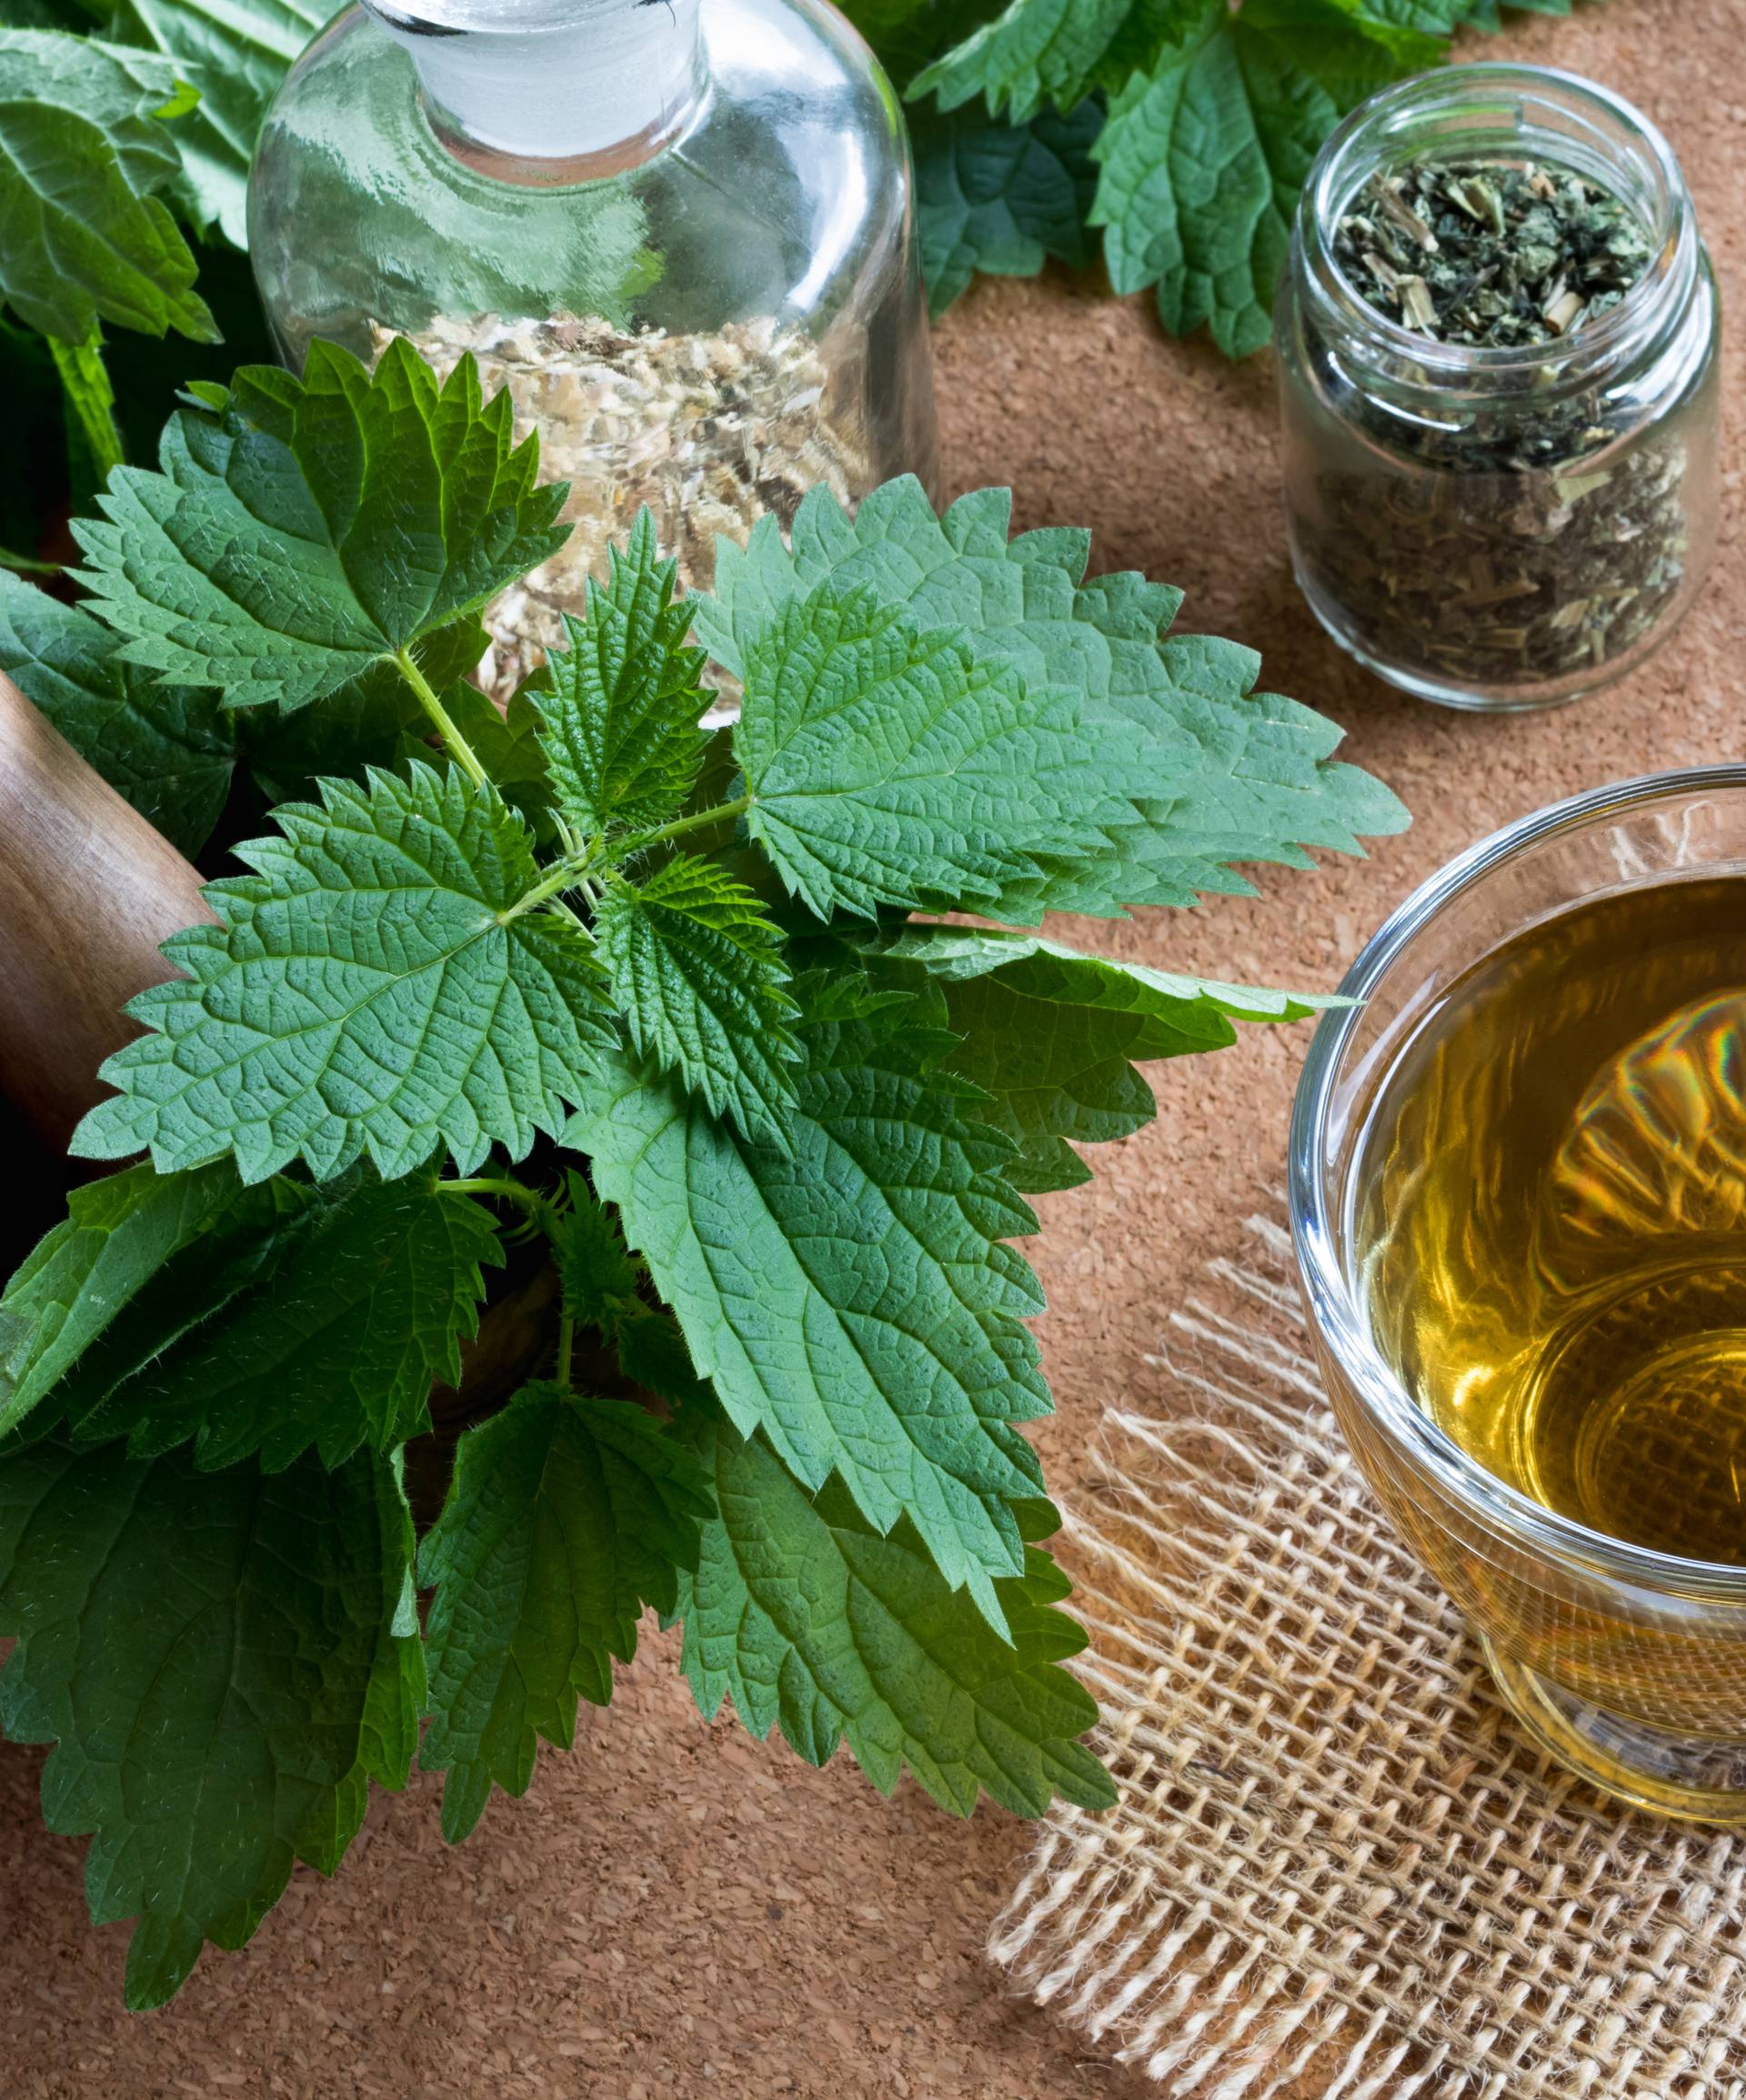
(675, 1909)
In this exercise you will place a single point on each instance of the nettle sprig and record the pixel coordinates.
(781, 1121)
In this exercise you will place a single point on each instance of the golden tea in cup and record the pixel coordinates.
(1518, 1204)
(1551, 1231)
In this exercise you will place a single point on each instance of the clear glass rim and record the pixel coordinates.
(1341, 166)
(1332, 1301)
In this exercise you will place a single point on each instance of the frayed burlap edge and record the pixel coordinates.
(1335, 1872)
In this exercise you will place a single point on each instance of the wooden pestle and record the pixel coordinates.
(88, 890)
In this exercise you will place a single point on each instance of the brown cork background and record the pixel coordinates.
(676, 1909)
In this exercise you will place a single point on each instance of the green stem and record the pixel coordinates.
(504, 1185)
(571, 871)
(566, 1346)
(723, 813)
(27, 565)
(459, 748)
(90, 401)
(565, 875)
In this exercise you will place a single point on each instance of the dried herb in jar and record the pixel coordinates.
(709, 431)
(1490, 254)
(1535, 545)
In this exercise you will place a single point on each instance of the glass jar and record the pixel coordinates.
(1500, 528)
(682, 233)
(1626, 1663)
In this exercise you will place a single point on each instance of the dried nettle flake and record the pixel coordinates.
(711, 431)
(1531, 532)
(1492, 254)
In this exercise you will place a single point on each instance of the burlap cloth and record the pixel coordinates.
(1336, 1867)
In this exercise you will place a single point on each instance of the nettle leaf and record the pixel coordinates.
(1178, 1011)
(907, 33)
(223, 1661)
(1215, 773)
(1024, 601)
(1488, 14)
(370, 989)
(565, 1519)
(1206, 149)
(809, 1621)
(886, 765)
(305, 529)
(601, 1290)
(1041, 51)
(1443, 17)
(85, 150)
(119, 1234)
(337, 1310)
(239, 1245)
(234, 54)
(621, 705)
(1223, 775)
(168, 749)
(600, 1283)
(696, 971)
(593, 1266)
(653, 1354)
(849, 1295)
(1429, 18)
(1052, 1035)
(1000, 197)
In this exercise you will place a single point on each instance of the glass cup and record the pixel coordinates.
(1627, 1664)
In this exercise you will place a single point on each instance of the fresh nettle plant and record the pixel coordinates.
(653, 1037)
(1173, 136)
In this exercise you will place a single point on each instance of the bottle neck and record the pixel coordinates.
(556, 90)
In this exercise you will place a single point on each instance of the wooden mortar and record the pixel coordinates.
(88, 890)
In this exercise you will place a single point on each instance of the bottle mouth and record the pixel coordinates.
(552, 92)
(489, 18)
(1494, 111)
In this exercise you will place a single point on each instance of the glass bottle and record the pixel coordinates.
(1500, 528)
(680, 231)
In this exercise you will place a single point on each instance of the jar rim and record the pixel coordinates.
(1350, 154)
(1330, 1290)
